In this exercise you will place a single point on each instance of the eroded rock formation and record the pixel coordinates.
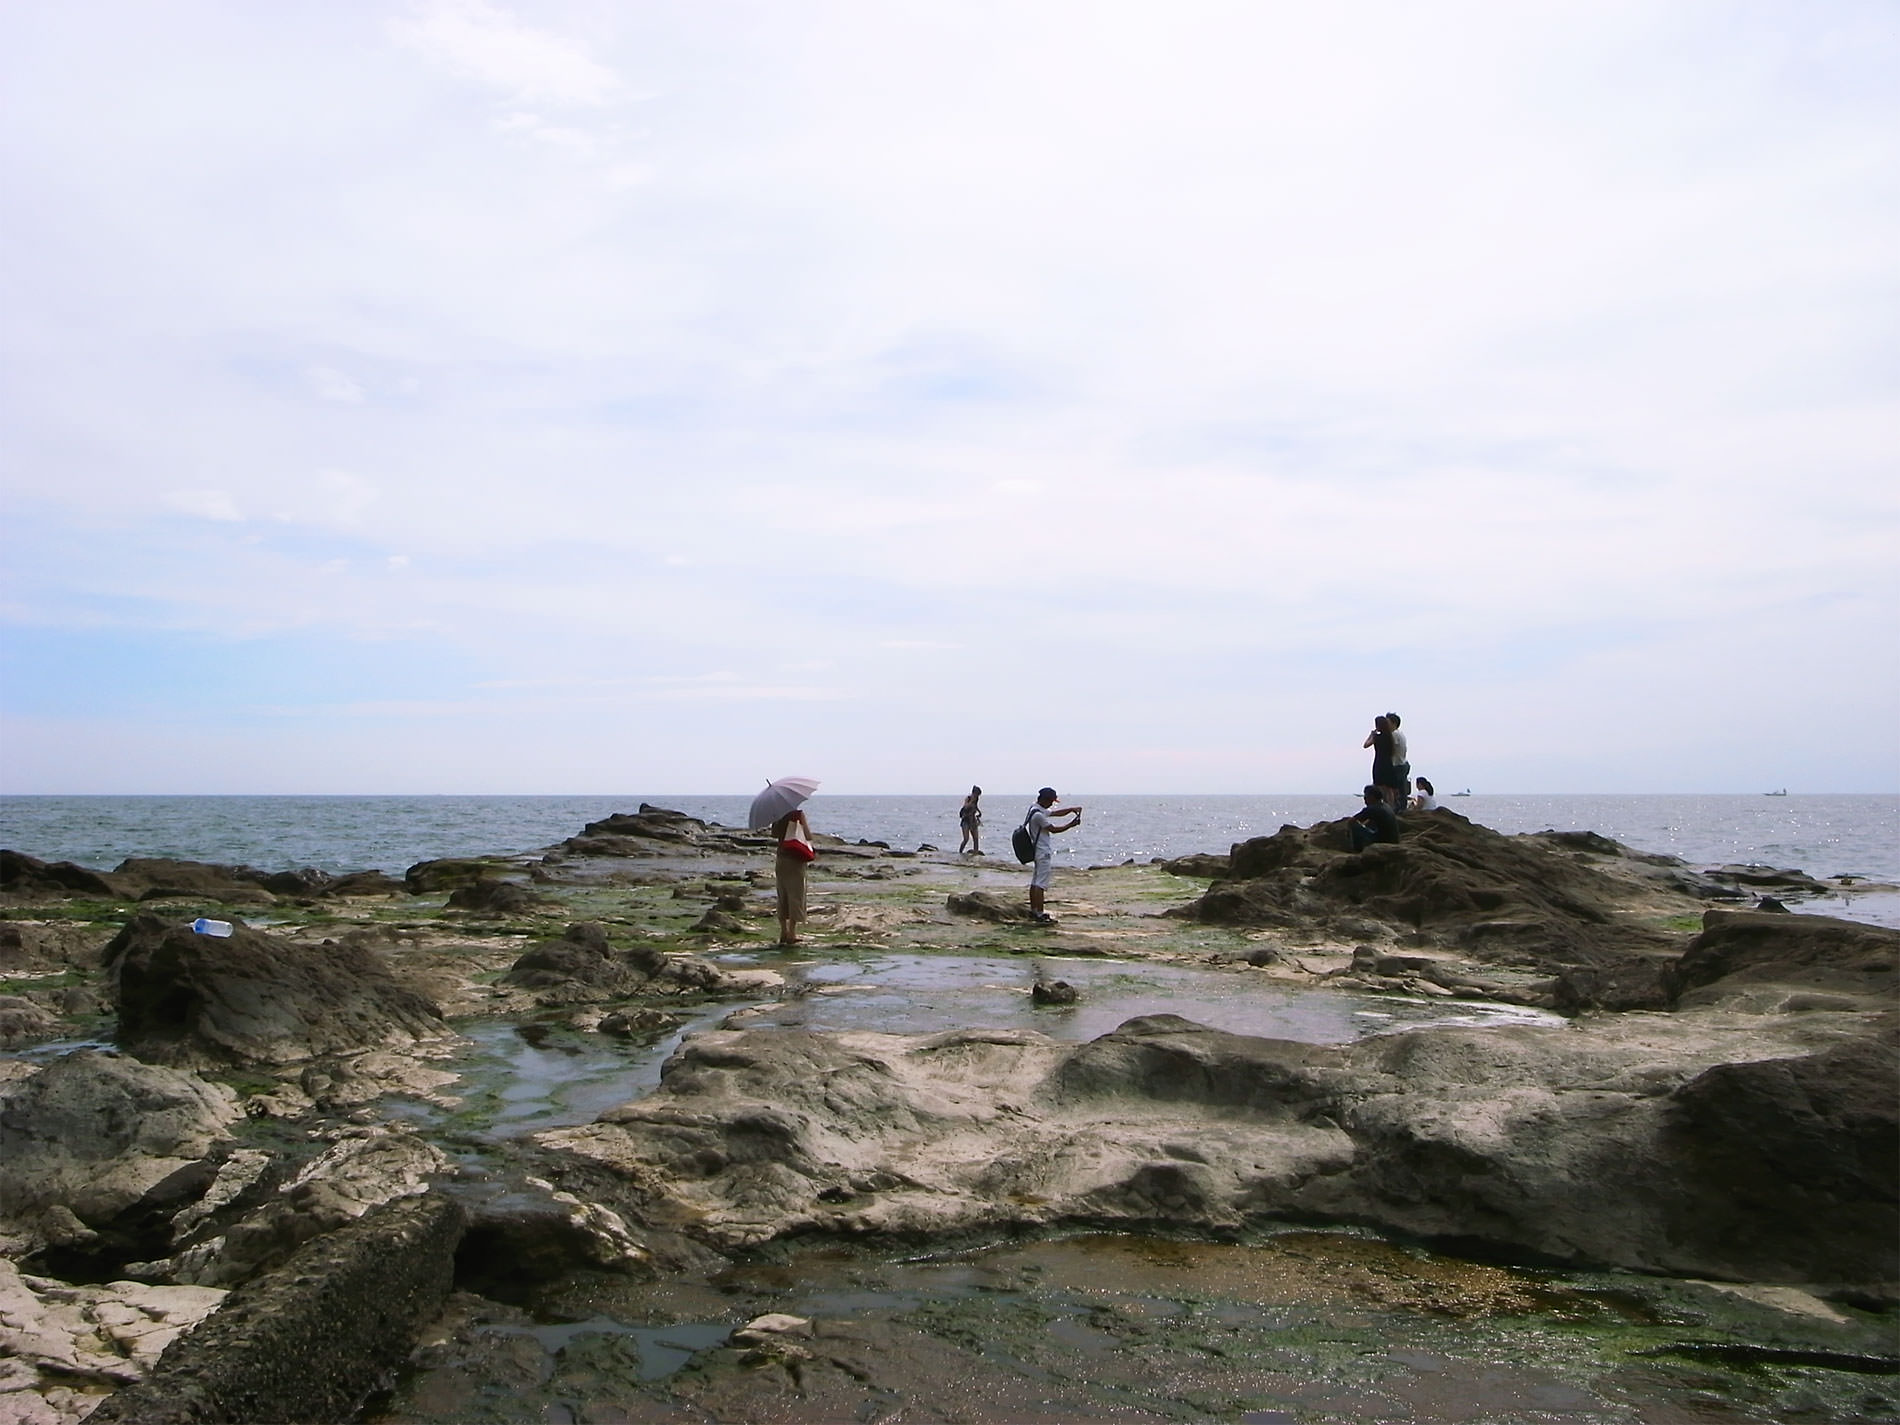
(1707, 1142)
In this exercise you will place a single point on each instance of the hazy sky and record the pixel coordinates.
(610, 396)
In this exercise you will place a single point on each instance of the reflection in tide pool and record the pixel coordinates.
(927, 994)
(524, 1078)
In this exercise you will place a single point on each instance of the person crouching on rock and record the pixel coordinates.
(1041, 824)
(1374, 822)
(788, 872)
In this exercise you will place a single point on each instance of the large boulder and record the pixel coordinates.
(49, 945)
(28, 878)
(161, 878)
(1620, 1149)
(449, 874)
(1203, 863)
(988, 905)
(1808, 1144)
(24, 1022)
(256, 1214)
(655, 832)
(201, 1001)
(311, 1340)
(1739, 951)
(655, 823)
(93, 1135)
(1446, 882)
(583, 966)
(145, 878)
(495, 897)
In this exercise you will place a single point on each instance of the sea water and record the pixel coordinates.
(1824, 835)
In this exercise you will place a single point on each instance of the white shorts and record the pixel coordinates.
(1044, 873)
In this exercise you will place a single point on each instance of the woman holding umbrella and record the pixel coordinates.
(779, 807)
(794, 855)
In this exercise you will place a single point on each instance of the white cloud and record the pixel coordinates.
(333, 385)
(1334, 346)
(335, 499)
(205, 504)
(485, 43)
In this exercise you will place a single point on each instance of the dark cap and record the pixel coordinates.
(1047, 792)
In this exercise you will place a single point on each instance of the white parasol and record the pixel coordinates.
(784, 795)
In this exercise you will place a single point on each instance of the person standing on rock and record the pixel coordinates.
(970, 823)
(1374, 822)
(1380, 741)
(788, 872)
(1041, 825)
(1401, 764)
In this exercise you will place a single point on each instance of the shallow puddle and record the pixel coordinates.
(926, 994)
(519, 1078)
(523, 1077)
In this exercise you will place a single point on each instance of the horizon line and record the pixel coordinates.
(650, 796)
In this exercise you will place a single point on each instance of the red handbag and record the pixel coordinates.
(798, 848)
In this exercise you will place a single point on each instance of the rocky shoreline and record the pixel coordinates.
(229, 1133)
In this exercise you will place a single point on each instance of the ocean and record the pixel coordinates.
(1824, 835)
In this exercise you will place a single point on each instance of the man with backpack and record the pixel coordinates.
(1032, 843)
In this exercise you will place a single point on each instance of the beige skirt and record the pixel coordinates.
(790, 873)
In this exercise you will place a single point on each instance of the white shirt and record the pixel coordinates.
(1038, 825)
(1398, 748)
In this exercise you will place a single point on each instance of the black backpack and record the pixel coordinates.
(1021, 842)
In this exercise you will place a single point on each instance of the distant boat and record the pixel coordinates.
(1782, 793)
(1467, 792)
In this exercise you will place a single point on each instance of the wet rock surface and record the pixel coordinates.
(1721, 1104)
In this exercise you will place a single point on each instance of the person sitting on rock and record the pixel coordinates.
(1427, 798)
(1374, 822)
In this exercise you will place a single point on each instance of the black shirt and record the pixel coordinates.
(1380, 817)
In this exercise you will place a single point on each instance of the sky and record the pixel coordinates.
(574, 396)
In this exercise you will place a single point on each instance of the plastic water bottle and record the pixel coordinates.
(211, 927)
